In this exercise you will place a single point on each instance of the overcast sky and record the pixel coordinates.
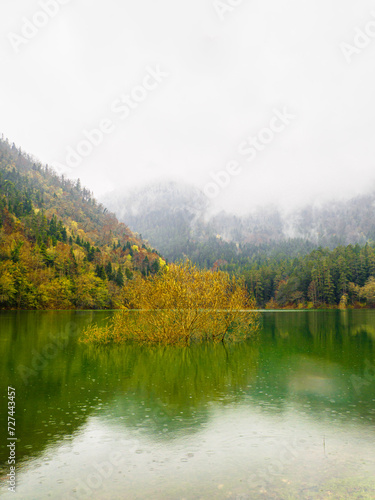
(182, 89)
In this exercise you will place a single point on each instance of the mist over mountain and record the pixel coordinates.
(175, 216)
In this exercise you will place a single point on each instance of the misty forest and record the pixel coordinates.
(182, 292)
(61, 249)
(187, 250)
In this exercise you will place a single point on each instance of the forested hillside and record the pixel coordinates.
(341, 277)
(59, 248)
(312, 257)
(169, 214)
(176, 220)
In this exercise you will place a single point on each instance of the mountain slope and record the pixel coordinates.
(176, 220)
(167, 214)
(59, 248)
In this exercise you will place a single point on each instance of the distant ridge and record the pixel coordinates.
(175, 219)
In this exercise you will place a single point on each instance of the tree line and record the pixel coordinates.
(341, 277)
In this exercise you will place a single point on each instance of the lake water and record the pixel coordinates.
(288, 415)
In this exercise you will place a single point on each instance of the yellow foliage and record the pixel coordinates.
(90, 291)
(55, 294)
(7, 288)
(79, 255)
(343, 301)
(367, 292)
(181, 305)
(272, 305)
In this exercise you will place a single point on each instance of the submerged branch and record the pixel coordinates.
(181, 305)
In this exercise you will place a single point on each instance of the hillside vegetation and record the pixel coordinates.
(315, 257)
(59, 248)
(176, 219)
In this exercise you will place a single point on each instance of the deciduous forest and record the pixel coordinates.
(59, 248)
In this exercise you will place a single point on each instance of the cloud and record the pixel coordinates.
(226, 77)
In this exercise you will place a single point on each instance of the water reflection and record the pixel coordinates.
(314, 378)
(174, 386)
(147, 387)
(255, 413)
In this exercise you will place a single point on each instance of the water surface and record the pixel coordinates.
(287, 415)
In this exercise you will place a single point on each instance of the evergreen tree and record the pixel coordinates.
(100, 272)
(109, 271)
(119, 279)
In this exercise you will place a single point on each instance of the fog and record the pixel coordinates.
(251, 101)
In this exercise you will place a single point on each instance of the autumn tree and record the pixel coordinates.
(182, 304)
(367, 292)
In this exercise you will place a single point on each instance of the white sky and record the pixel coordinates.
(226, 76)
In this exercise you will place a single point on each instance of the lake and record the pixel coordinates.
(287, 415)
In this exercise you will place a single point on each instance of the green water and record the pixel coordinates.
(288, 415)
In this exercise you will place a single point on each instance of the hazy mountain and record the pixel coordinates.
(167, 214)
(175, 217)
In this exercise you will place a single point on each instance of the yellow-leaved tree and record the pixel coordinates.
(181, 304)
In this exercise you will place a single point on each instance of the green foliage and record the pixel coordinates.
(322, 277)
(59, 248)
(119, 278)
(53, 233)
